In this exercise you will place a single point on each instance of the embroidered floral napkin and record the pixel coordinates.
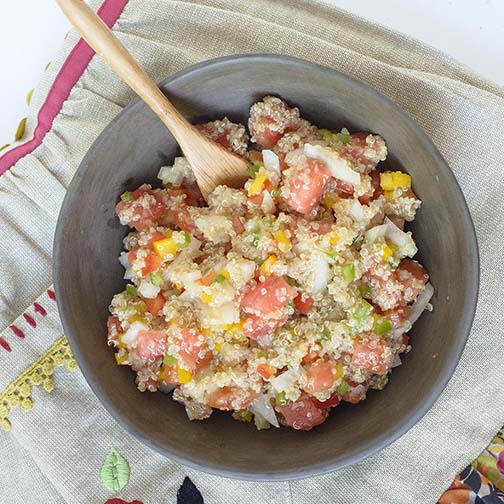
(57, 435)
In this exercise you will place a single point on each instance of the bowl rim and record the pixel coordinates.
(409, 419)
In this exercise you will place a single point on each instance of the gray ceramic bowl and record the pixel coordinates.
(87, 273)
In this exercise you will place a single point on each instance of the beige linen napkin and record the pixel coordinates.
(53, 453)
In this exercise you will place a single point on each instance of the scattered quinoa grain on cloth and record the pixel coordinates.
(279, 300)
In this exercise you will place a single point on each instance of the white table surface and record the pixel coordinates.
(472, 31)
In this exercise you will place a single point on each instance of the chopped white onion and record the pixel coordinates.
(319, 278)
(375, 233)
(339, 167)
(404, 241)
(176, 174)
(123, 259)
(421, 303)
(271, 165)
(261, 407)
(128, 274)
(224, 314)
(147, 290)
(396, 361)
(267, 204)
(357, 211)
(130, 336)
(284, 380)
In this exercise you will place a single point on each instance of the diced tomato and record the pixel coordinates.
(372, 356)
(152, 263)
(155, 305)
(356, 394)
(150, 344)
(332, 402)
(194, 196)
(319, 377)
(114, 328)
(367, 155)
(132, 255)
(268, 296)
(184, 220)
(207, 279)
(322, 227)
(191, 348)
(238, 226)
(302, 414)
(265, 370)
(303, 306)
(225, 398)
(143, 214)
(413, 278)
(267, 136)
(397, 315)
(376, 191)
(307, 186)
(222, 399)
(254, 327)
(344, 188)
(311, 356)
(170, 375)
(256, 199)
(156, 235)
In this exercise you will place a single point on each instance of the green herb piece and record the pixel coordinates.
(383, 326)
(363, 309)
(348, 272)
(364, 289)
(131, 290)
(332, 254)
(326, 134)
(343, 388)
(252, 170)
(325, 334)
(220, 278)
(156, 279)
(275, 193)
(280, 399)
(127, 196)
(169, 360)
(187, 238)
(115, 471)
(343, 138)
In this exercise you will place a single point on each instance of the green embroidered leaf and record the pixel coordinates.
(115, 471)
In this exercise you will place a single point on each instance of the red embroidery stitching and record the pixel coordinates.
(5, 345)
(51, 294)
(30, 320)
(17, 331)
(39, 309)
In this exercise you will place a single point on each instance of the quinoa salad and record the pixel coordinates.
(278, 301)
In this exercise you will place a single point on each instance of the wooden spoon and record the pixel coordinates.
(212, 164)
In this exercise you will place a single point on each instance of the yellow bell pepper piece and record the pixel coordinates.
(393, 180)
(206, 298)
(183, 376)
(121, 357)
(265, 267)
(389, 195)
(334, 238)
(256, 186)
(386, 252)
(329, 200)
(165, 247)
(218, 347)
(338, 371)
(225, 274)
(284, 243)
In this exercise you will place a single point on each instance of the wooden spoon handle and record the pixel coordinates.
(99, 36)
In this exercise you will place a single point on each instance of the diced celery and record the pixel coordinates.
(343, 388)
(131, 290)
(344, 138)
(363, 309)
(220, 278)
(127, 196)
(326, 134)
(383, 326)
(252, 170)
(325, 335)
(281, 399)
(169, 360)
(348, 272)
(156, 279)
